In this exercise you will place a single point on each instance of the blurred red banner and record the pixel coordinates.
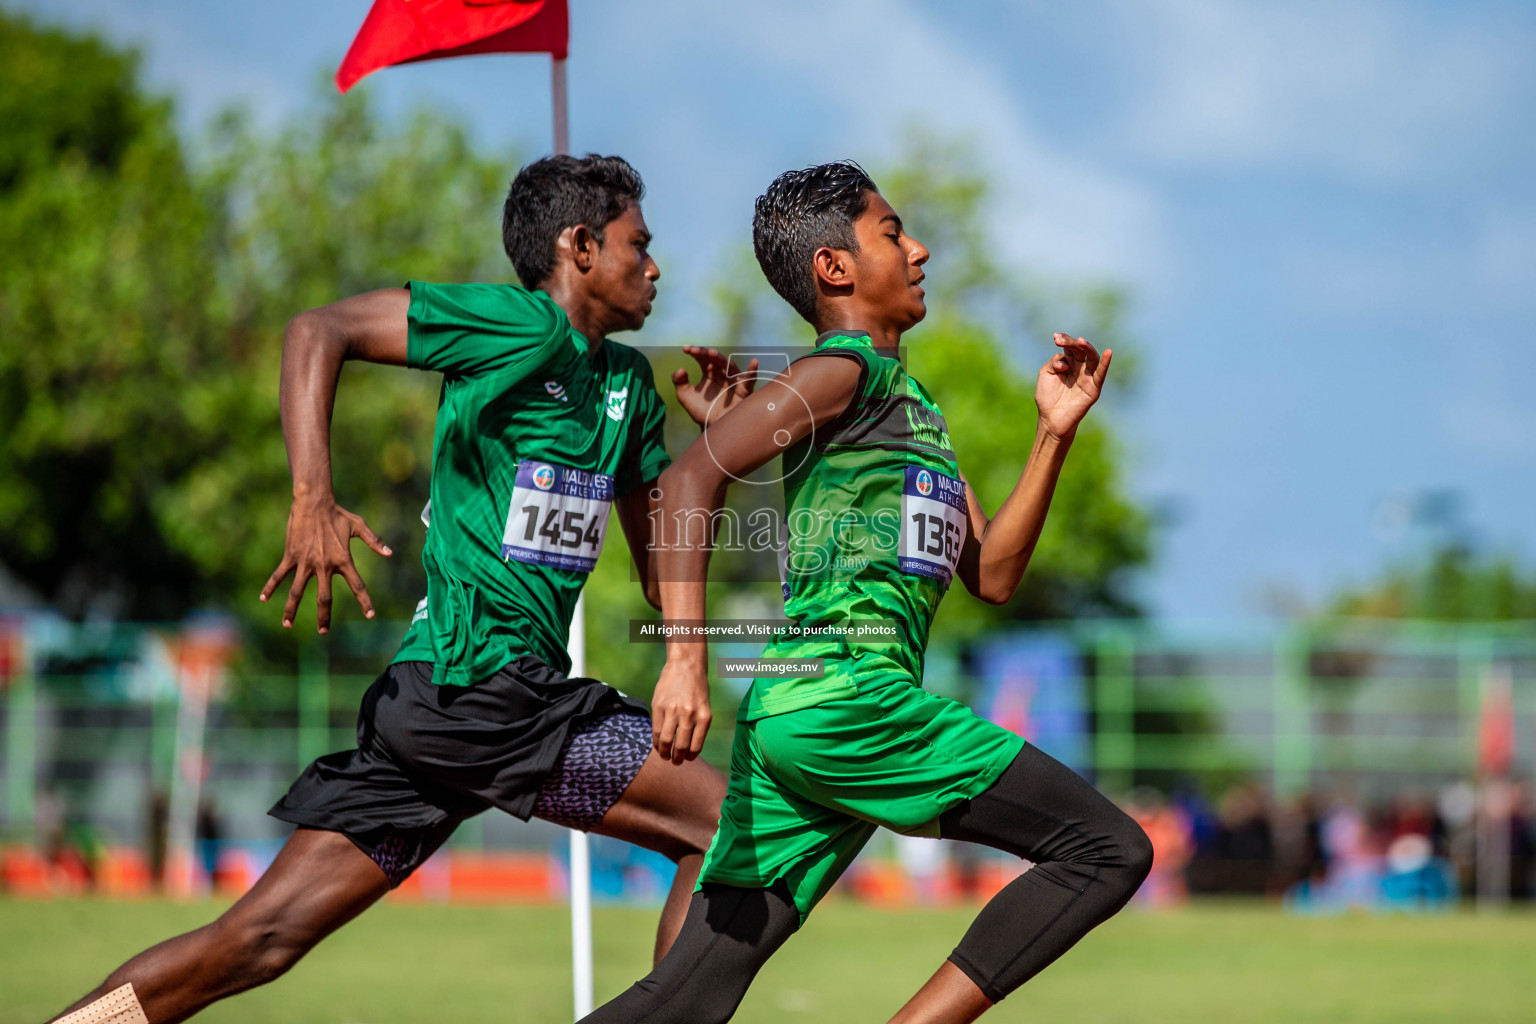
(13, 650)
(1496, 726)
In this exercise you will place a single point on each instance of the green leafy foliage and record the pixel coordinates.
(106, 251)
(333, 205)
(143, 296)
(1452, 584)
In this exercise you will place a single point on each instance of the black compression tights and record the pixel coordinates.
(1089, 859)
(1089, 856)
(727, 936)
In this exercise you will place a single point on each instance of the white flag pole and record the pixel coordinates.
(581, 865)
(557, 96)
(581, 861)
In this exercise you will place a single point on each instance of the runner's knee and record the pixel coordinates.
(258, 950)
(1138, 856)
(1086, 872)
(274, 957)
(1118, 851)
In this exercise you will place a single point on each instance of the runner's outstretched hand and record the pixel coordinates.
(680, 712)
(319, 544)
(1069, 385)
(721, 385)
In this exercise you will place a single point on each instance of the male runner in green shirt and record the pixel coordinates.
(542, 426)
(878, 522)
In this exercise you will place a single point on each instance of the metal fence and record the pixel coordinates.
(1366, 707)
(97, 731)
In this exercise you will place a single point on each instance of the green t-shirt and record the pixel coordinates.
(875, 518)
(534, 440)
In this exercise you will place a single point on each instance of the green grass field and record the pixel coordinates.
(1222, 964)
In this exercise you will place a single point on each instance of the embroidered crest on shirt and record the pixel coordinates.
(617, 401)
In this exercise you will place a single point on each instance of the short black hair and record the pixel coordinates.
(560, 192)
(798, 214)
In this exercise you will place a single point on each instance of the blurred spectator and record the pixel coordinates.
(1242, 857)
(210, 839)
(1416, 871)
(68, 841)
(157, 813)
(1205, 826)
(1413, 814)
(1522, 843)
(967, 861)
(83, 851)
(1353, 856)
(1457, 806)
(1298, 833)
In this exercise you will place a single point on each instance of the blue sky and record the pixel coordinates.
(1325, 214)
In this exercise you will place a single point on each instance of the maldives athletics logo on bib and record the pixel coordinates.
(544, 478)
(924, 483)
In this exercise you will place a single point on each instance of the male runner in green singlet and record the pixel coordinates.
(879, 521)
(542, 425)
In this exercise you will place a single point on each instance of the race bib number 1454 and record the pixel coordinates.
(558, 517)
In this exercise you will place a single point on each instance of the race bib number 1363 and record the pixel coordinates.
(933, 524)
(558, 517)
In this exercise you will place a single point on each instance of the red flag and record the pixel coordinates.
(405, 31)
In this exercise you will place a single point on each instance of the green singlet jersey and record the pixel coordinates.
(875, 517)
(534, 441)
(875, 520)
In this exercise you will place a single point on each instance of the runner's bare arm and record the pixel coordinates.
(369, 327)
(636, 516)
(785, 410)
(997, 551)
(721, 386)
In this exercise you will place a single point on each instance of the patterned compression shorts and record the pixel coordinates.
(601, 758)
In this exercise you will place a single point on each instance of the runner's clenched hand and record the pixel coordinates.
(721, 385)
(680, 712)
(319, 544)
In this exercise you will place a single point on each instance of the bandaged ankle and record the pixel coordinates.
(120, 1006)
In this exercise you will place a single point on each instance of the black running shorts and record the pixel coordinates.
(528, 740)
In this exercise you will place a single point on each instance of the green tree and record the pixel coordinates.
(106, 261)
(334, 204)
(143, 295)
(1451, 584)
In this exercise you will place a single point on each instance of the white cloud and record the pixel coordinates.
(1379, 91)
(869, 69)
